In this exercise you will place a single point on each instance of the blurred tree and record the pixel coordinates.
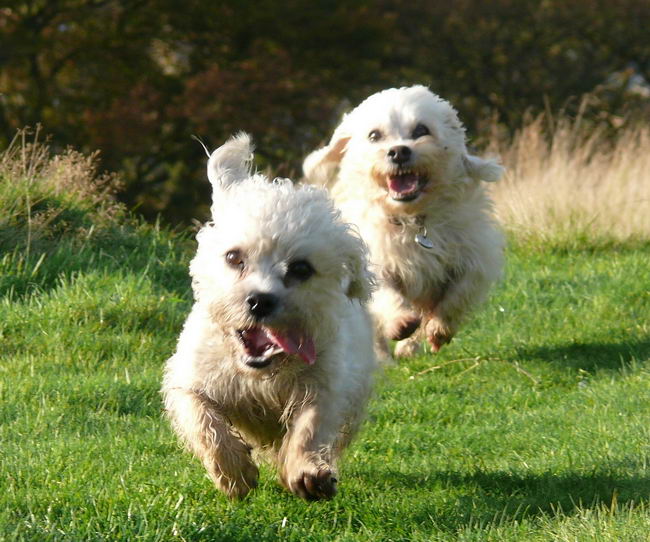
(136, 78)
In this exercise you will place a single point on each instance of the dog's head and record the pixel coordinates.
(276, 265)
(406, 145)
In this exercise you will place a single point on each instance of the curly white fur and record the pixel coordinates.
(291, 383)
(398, 167)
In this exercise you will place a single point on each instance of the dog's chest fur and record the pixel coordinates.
(397, 258)
(263, 409)
(260, 407)
(453, 226)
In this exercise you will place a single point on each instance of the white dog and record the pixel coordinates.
(277, 352)
(398, 168)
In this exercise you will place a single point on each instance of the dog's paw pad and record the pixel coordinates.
(438, 334)
(315, 485)
(239, 485)
(438, 340)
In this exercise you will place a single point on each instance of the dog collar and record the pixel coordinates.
(418, 221)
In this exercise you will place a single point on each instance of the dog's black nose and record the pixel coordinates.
(399, 154)
(261, 305)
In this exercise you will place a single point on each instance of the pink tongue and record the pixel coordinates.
(294, 343)
(403, 183)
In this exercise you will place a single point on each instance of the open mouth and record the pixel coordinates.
(261, 344)
(405, 185)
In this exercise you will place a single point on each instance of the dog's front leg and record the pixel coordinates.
(210, 436)
(447, 312)
(396, 318)
(306, 458)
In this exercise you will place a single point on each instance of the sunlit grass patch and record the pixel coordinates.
(532, 425)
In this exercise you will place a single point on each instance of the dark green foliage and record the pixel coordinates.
(137, 79)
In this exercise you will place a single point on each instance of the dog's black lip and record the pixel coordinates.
(260, 363)
(409, 197)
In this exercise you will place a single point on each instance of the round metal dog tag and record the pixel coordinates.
(423, 241)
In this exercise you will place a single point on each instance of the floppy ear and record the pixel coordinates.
(231, 162)
(320, 166)
(480, 169)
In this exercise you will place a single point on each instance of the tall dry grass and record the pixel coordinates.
(45, 196)
(566, 181)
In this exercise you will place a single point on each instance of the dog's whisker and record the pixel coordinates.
(196, 138)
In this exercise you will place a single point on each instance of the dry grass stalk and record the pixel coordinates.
(44, 196)
(565, 181)
(478, 360)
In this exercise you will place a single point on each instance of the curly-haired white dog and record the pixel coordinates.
(398, 168)
(277, 352)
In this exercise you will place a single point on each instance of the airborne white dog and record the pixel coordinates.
(398, 167)
(276, 355)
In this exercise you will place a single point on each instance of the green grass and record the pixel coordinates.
(535, 426)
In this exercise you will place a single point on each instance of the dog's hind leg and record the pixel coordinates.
(210, 436)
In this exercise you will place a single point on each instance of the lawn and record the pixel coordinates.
(533, 425)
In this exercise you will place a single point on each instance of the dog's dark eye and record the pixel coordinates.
(375, 135)
(234, 258)
(300, 270)
(419, 131)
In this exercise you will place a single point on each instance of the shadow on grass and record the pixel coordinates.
(591, 356)
(504, 497)
(442, 502)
